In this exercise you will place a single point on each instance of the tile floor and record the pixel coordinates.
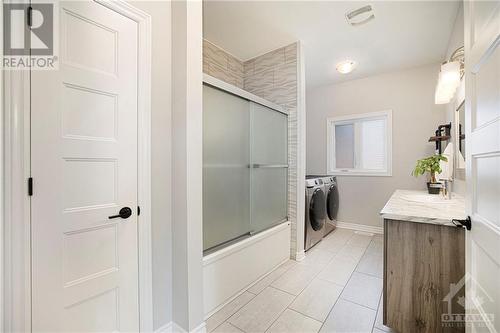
(336, 288)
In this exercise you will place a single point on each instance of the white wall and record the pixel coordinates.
(161, 139)
(410, 94)
(187, 249)
(456, 40)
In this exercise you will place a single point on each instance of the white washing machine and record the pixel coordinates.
(315, 212)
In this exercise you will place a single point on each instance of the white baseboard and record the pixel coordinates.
(360, 227)
(167, 328)
(202, 328)
(174, 328)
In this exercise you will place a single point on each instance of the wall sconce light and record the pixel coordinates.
(450, 75)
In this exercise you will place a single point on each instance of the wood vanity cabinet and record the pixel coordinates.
(421, 260)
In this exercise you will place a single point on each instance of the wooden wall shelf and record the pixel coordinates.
(439, 138)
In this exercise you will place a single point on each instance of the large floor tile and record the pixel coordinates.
(289, 263)
(341, 233)
(269, 278)
(296, 278)
(227, 328)
(349, 317)
(262, 311)
(331, 244)
(376, 247)
(294, 322)
(360, 240)
(378, 238)
(350, 251)
(372, 264)
(363, 289)
(317, 299)
(317, 257)
(338, 271)
(227, 311)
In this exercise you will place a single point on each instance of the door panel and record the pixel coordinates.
(84, 166)
(486, 80)
(482, 55)
(269, 174)
(483, 11)
(226, 176)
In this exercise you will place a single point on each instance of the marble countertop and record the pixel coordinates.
(421, 207)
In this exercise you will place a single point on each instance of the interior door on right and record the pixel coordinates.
(482, 38)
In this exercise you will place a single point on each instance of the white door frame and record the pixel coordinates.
(15, 203)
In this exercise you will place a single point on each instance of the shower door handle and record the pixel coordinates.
(262, 166)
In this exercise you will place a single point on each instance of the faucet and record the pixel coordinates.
(446, 189)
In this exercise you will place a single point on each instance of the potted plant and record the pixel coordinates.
(432, 166)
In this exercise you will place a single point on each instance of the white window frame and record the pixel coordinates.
(330, 137)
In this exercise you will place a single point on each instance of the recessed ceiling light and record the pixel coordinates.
(346, 66)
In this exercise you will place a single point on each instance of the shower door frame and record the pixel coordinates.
(231, 89)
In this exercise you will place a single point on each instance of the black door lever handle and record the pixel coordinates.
(467, 224)
(124, 213)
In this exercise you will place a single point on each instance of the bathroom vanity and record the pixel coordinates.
(424, 253)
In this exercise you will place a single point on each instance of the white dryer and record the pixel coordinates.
(332, 203)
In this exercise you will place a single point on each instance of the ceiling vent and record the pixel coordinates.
(360, 16)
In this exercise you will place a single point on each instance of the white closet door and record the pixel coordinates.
(84, 166)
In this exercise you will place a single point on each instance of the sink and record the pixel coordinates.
(425, 198)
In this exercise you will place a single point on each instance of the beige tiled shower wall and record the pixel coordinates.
(222, 65)
(272, 76)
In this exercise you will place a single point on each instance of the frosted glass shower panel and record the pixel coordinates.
(226, 172)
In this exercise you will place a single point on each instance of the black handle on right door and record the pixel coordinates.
(467, 224)
(124, 213)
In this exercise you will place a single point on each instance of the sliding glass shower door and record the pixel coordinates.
(269, 174)
(226, 175)
(244, 167)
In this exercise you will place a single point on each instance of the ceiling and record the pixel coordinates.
(404, 34)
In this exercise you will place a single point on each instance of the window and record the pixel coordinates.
(360, 145)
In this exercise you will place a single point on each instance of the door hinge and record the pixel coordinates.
(138, 210)
(30, 186)
(29, 16)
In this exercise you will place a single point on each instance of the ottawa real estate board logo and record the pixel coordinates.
(29, 39)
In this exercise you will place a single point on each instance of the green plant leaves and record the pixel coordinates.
(429, 164)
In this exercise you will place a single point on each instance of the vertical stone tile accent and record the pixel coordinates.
(291, 54)
(269, 60)
(222, 65)
(273, 76)
(248, 68)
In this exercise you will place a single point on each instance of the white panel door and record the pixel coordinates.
(84, 167)
(482, 56)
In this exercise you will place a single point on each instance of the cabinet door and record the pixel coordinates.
(421, 262)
